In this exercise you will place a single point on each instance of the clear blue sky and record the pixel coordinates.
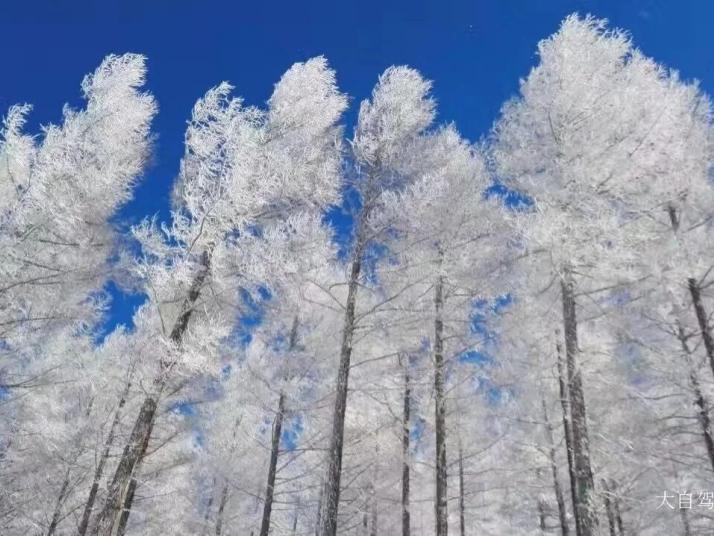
(474, 50)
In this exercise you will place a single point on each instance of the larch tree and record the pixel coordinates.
(568, 141)
(244, 168)
(447, 240)
(393, 333)
(398, 113)
(58, 193)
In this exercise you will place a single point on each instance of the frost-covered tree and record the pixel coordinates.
(468, 328)
(389, 125)
(447, 239)
(244, 170)
(579, 129)
(58, 192)
(60, 434)
(598, 140)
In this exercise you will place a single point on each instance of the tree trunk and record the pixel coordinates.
(58, 504)
(275, 445)
(373, 507)
(406, 431)
(702, 319)
(124, 517)
(541, 516)
(334, 465)
(65, 483)
(131, 490)
(685, 522)
(274, 452)
(618, 514)
(295, 518)
(462, 501)
(562, 513)
(109, 517)
(612, 508)
(221, 508)
(585, 486)
(367, 508)
(609, 510)
(207, 515)
(567, 430)
(318, 517)
(373, 504)
(701, 402)
(696, 294)
(442, 527)
(99, 471)
(118, 496)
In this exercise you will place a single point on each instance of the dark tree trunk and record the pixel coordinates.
(295, 518)
(609, 510)
(272, 469)
(696, 294)
(685, 522)
(334, 464)
(58, 504)
(131, 490)
(562, 513)
(702, 319)
(221, 509)
(406, 431)
(135, 449)
(701, 402)
(119, 500)
(612, 508)
(99, 471)
(124, 517)
(275, 445)
(618, 516)
(295, 524)
(462, 498)
(541, 516)
(567, 430)
(585, 486)
(442, 527)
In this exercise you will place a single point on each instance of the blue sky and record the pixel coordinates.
(474, 50)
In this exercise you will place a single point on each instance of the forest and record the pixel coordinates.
(385, 330)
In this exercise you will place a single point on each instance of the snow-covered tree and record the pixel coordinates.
(389, 127)
(58, 193)
(392, 333)
(244, 170)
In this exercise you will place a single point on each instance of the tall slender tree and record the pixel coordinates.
(242, 167)
(389, 125)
